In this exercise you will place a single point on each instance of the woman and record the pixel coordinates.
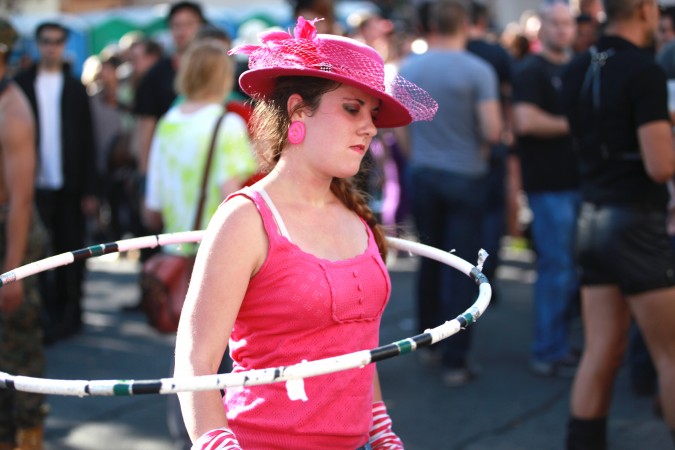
(304, 278)
(181, 144)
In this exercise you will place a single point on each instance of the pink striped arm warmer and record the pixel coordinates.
(218, 439)
(381, 435)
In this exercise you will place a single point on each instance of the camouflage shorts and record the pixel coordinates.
(21, 350)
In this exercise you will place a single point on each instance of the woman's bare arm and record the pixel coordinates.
(233, 249)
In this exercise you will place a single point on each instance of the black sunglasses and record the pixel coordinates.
(47, 41)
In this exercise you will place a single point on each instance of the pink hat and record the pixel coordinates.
(336, 58)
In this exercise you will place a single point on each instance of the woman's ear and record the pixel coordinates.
(294, 107)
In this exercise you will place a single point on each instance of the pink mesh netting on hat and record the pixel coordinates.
(416, 100)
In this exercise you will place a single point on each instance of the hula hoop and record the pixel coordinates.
(83, 388)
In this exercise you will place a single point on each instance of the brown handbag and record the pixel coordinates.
(165, 278)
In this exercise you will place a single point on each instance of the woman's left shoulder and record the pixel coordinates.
(236, 229)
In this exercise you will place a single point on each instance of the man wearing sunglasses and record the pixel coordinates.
(65, 173)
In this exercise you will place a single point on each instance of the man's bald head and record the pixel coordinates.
(556, 8)
(639, 20)
(557, 26)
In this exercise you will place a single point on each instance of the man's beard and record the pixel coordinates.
(556, 48)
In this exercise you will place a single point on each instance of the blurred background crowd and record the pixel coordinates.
(110, 46)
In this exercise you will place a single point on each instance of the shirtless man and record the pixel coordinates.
(21, 352)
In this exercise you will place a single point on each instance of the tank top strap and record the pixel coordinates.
(266, 214)
(275, 213)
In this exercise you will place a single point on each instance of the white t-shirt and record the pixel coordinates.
(176, 165)
(48, 90)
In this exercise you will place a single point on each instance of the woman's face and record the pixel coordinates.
(339, 132)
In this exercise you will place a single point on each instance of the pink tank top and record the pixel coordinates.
(300, 307)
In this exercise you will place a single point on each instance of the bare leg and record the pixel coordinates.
(513, 192)
(655, 315)
(606, 318)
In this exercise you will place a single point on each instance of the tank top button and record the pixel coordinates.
(355, 273)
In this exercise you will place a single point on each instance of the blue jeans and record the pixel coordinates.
(553, 230)
(448, 210)
(365, 447)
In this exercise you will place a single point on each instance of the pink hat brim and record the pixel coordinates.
(260, 84)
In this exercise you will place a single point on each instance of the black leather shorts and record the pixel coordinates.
(625, 246)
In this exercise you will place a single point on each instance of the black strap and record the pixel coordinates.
(207, 169)
(592, 77)
(591, 87)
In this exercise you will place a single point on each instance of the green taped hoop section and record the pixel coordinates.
(97, 250)
(123, 389)
(470, 320)
(404, 346)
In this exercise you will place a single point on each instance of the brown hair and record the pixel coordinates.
(270, 122)
(447, 17)
(205, 70)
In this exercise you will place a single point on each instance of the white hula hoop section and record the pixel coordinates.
(289, 374)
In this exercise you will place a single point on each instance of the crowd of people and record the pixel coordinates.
(565, 114)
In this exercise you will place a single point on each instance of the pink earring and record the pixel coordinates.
(296, 132)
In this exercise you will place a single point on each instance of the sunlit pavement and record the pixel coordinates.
(506, 407)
